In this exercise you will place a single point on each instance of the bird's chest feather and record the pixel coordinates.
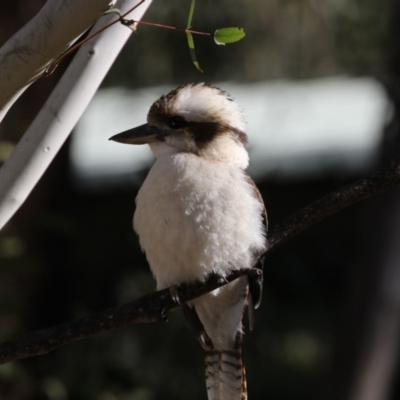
(194, 217)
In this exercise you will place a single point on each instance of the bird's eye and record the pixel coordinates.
(177, 122)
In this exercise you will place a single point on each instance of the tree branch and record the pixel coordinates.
(150, 308)
(52, 126)
(332, 203)
(25, 54)
(154, 306)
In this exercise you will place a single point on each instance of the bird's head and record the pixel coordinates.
(194, 118)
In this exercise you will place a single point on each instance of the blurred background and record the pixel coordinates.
(319, 82)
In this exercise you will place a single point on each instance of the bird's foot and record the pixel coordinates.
(164, 315)
(173, 290)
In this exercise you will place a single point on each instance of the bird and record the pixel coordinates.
(199, 213)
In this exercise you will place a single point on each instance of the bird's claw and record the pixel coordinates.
(164, 315)
(173, 290)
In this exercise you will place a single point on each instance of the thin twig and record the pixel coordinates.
(54, 64)
(174, 28)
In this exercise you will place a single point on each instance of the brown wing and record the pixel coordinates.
(257, 195)
(255, 284)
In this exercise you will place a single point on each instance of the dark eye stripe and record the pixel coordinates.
(177, 122)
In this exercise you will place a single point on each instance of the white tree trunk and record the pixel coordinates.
(50, 129)
(48, 34)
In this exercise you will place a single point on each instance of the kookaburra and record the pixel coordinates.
(199, 213)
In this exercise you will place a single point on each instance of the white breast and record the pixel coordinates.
(195, 216)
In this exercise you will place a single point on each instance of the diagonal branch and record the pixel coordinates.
(52, 126)
(332, 203)
(24, 55)
(150, 308)
(154, 306)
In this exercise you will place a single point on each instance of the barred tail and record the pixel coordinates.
(225, 372)
(212, 370)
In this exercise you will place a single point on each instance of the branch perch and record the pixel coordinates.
(154, 306)
(150, 308)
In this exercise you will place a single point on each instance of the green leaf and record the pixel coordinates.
(112, 11)
(191, 11)
(192, 51)
(190, 37)
(224, 36)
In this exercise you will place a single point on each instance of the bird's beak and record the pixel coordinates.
(141, 135)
